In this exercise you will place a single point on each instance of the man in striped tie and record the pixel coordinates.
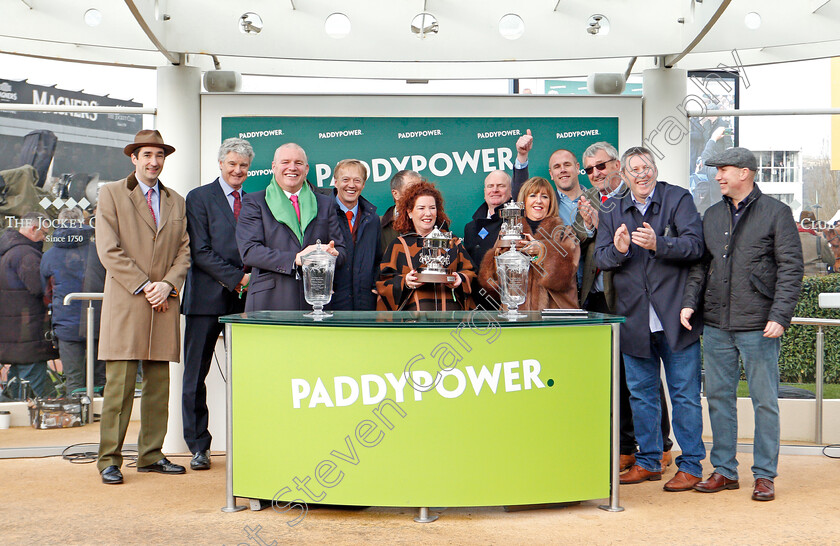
(216, 285)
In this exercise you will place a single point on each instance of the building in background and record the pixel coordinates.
(90, 141)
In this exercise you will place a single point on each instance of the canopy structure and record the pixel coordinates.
(423, 39)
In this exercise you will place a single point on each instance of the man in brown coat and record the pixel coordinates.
(141, 239)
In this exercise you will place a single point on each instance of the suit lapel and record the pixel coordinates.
(165, 206)
(217, 195)
(139, 200)
(361, 222)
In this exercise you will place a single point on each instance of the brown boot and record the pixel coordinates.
(625, 462)
(637, 474)
(763, 490)
(716, 482)
(682, 482)
(666, 460)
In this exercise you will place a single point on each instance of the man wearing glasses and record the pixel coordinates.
(603, 167)
(649, 240)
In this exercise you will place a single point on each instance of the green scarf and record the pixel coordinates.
(284, 212)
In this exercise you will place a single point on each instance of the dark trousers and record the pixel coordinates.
(627, 435)
(200, 335)
(73, 363)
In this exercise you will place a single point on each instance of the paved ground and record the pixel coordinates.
(51, 501)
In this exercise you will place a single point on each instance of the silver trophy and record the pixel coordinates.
(512, 269)
(318, 271)
(511, 231)
(434, 257)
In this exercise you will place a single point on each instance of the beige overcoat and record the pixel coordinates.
(133, 253)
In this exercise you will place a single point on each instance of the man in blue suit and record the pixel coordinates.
(216, 284)
(280, 225)
(356, 280)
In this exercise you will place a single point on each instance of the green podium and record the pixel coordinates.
(421, 409)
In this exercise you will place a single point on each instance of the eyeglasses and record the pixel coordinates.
(600, 166)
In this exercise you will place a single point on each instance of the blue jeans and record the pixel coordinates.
(761, 364)
(682, 372)
(36, 374)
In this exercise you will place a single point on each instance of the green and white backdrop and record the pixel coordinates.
(452, 141)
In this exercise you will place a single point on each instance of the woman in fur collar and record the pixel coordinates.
(552, 246)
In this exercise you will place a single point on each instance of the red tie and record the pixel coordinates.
(294, 199)
(237, 204)
(604, 198)
(149, 202)
(349, 215)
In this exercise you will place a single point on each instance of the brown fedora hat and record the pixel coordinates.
(148, 137)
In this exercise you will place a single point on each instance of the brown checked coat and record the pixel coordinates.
(133, 253)
(396, 264)
(552, 279)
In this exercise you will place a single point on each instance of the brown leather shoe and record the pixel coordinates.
(666, 460)
(681, 482)
(625, 462)
(637, 474)
(763, 490)
(716, 482)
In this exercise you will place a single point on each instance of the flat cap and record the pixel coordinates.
(736, 157)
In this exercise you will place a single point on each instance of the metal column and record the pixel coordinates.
(230, 505)
(613, 506)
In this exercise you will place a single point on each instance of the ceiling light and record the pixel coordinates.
(598, 25)
(423, 24)
(337, 25)
(511, 26)
(93, 17)
(250, 23)
(752, 20)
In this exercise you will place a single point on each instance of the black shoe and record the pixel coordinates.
(200, 460)
(164, 466)
(112, 475)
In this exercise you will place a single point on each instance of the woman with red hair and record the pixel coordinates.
(421, 210)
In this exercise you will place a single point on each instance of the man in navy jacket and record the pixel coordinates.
(216, 285)
(354, 283)
(650, 239)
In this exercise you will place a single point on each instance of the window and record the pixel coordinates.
(777, 166)
(786, 198)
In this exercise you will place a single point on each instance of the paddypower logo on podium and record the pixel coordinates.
(371, 389)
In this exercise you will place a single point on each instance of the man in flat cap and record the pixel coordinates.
(141, 239)
(748, 281)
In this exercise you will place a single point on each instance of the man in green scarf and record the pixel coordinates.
(278, 226)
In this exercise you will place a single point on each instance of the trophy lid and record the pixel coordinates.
(319, 256)
(439, 235)
(437, 238)
(512, 258)
(512, 209)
